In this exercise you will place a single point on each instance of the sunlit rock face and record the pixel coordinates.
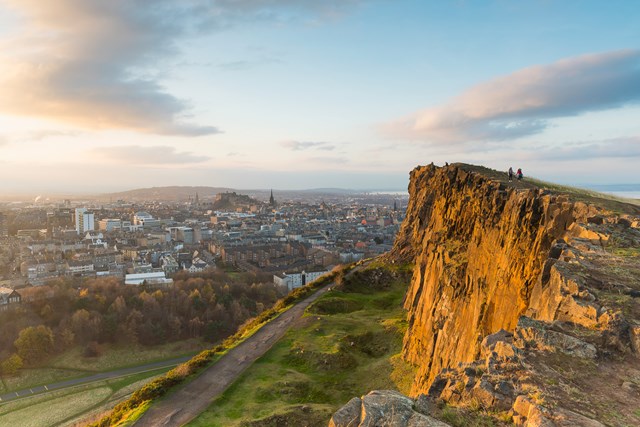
(482, 248)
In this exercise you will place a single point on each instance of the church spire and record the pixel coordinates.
(272, 201)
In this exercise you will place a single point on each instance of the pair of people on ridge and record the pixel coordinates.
(518, 174)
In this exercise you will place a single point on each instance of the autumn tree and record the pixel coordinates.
(34, 343)
(11, 365)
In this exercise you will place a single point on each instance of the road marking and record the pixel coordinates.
(31, 390)
(46, 388)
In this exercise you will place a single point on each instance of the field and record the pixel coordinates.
(346, 345)
(72, 364)
(69, 406)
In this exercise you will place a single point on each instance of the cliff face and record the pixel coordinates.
(523, 303)
(480, 247)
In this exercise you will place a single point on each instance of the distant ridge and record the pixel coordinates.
(185, 193)
(172, 193)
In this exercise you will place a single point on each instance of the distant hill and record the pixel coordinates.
(174, 193)
(185, 193)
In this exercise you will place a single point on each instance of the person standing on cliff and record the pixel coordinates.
(519, 174)
(510, 174)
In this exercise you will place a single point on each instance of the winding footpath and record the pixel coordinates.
(187, 403)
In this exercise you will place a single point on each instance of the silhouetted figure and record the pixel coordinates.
(510, 174)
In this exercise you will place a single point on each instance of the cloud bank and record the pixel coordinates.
(522, 103)
(307, 145)
(617, 148)
(90, 63)
(139, 155)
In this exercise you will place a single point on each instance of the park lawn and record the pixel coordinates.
(71, 406)
(72, 363)
(346, 345)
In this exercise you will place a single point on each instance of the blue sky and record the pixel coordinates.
(101, 96)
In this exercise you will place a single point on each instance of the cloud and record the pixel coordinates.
(139, 155)
(307, 145)
(47, 133)
(91, 63)
(521, 104)
(621, 148)
(325, 160)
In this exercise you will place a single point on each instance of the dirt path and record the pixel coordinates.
(187, 403)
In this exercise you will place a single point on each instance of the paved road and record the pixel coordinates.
(92, 378)
(187, 403)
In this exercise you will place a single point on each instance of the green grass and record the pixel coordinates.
(72, 363)
(72, 405)
(182, 374)
(607, 201)
(346, 345)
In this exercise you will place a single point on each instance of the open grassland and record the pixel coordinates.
(71, 406)
(607, 201)
(346, 345)
(72, 363)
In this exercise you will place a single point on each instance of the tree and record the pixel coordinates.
(34, 343)
(11, 365)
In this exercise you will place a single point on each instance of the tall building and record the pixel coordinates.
(272, 201)
(84, 220)
(4, 229)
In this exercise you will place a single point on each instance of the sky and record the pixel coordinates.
(100, 96)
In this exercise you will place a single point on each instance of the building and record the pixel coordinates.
(85, 221)
(8, 297)
(4, 229)
(80, 267)
(110, 224)
(145, 220)
(297, 280)
(156, 278)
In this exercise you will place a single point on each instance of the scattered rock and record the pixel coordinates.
(634, 335)
(348, 415)
(566, 418)
(533, 334)
(529, 414)
(382, 408)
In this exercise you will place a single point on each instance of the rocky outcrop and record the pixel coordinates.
(382, 408)
(509, 278)
(479, 249)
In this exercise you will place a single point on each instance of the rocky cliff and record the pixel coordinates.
(516, 287)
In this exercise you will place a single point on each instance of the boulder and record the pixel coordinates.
(566, 418)
(527, 413)
(634, 336)
(382, 408)
(348, 415)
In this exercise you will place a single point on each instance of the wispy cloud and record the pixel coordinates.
(608, 149)
(307, 145)
(139, 155)
(326, 160)
(521, 104)
(47, 133)
(91, 63)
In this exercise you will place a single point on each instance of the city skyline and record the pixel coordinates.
(101, 97)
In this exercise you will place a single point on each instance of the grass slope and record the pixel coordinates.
(607, 201)
(71, 406)
(72, 363)
(346, 345)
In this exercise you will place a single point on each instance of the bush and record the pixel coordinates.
(12, 365)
